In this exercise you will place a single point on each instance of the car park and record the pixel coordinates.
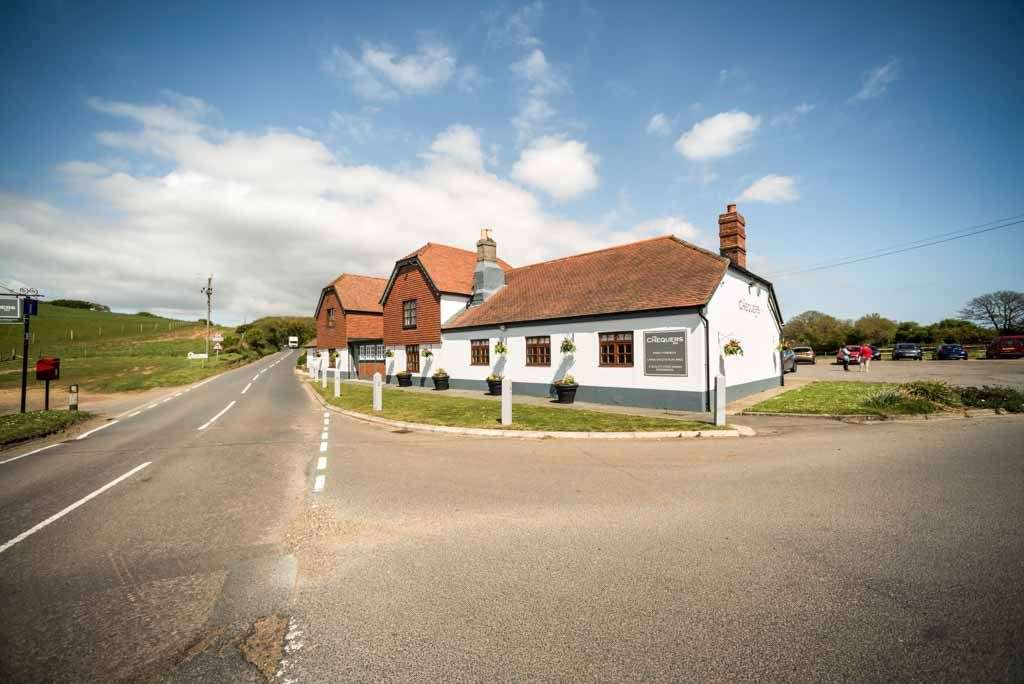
(907, 350)
(804, 355)
(1006, 347)
(947, 352)
(788, 361)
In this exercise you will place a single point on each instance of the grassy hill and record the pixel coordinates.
(109, 352)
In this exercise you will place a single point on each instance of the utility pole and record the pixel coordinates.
(24, 354)
(208, 291)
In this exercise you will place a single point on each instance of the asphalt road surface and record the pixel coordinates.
(818, 550)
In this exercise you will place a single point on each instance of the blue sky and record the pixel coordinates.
(277, 146)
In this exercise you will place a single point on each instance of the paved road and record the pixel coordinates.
(188, 526)
(818, 550)
(976, 372)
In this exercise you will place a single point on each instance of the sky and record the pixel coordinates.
(277, 145)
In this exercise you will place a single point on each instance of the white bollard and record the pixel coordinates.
(719, 400)
(506, 401)
(337, 383)
(323, 374)
(378, 393)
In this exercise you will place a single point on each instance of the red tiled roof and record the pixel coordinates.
(659, 273)
(359, 292)
(450, 268)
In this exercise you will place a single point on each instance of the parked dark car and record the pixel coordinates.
(805, 355)
(1006, 347)
(876, 353)
(907, 350)
(788, 361)
(954, 352)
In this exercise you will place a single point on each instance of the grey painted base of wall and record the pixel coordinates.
(617, 396)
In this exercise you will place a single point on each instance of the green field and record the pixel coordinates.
(439, 409)
(109, 352)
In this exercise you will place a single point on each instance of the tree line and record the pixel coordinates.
(982, 319)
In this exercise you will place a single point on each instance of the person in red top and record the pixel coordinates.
(866, 353)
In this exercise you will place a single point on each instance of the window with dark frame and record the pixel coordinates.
(412, 358)
(330, 318)
(409, 314)
(616, 349)
(538, 351)
(480, 352)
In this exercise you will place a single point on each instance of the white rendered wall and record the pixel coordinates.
(454, 356)
(741, 309)
(451, 305)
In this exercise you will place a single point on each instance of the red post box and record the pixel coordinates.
(48, 368)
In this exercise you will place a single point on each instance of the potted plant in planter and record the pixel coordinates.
(440, 377)
(566, 389)
(404, 378)
(733, 348)
(494, 384)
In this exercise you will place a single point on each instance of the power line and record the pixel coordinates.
(910, 246)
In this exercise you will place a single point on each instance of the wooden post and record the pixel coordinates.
(378, 393)
(506, 401)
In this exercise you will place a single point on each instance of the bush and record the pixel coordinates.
(301, 361)
(1005, 398)
(937, 392)
(79, 304)
(884, 399)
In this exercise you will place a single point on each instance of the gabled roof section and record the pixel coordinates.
(356, 293)
(449, 270)
(659, 273)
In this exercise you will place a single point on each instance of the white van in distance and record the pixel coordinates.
(293, 342)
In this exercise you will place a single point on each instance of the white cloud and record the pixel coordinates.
(514, 28)
(469, 79)
(540, 81)
(718, 136)
(772, 189)
(791, 116)
(674, 225)
(273, 215)
(460, 145)
(380, 73)
(562, 168)
(659, 125)
(878, 80)
(359, 127)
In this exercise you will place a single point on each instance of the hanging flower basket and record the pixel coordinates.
(500, 348)
(389, 354)
(733, 348)
(568, 346)
(427, 353)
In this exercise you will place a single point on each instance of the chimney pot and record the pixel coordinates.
(731, 208)
(488, 277)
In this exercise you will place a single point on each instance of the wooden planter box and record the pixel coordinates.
(440, 382)
(404, 379)
(566, 393)
(494, 387)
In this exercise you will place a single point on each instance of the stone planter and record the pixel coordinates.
(440, 382)
(404, 379)
(494, 388)
(566, 393)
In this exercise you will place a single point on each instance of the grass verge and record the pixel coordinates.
(438, 409)
(841, 399)
(18, 427)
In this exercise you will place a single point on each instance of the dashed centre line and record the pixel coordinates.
(222, 412)
(34, 451)
(318, 485)
(323, 447)
(321, 463)
(247, 388)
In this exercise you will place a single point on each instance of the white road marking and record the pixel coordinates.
(101, 427)
(61, 514)
(327, 421)
(323, 446)
(318, 485)
(222, 412)
(178, 394)
(153, 405)
(36, 451)
(132, 415)
(323, 435)
(166, 400)
(321, 463)
(256, 377)
(263, 371)
(327, 414)
(247, 388)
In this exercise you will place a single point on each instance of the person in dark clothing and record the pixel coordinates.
(844, 357)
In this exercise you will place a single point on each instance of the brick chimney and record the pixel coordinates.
(732, 235)
(488, 277)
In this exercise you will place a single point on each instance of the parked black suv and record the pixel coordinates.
(907, 350)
